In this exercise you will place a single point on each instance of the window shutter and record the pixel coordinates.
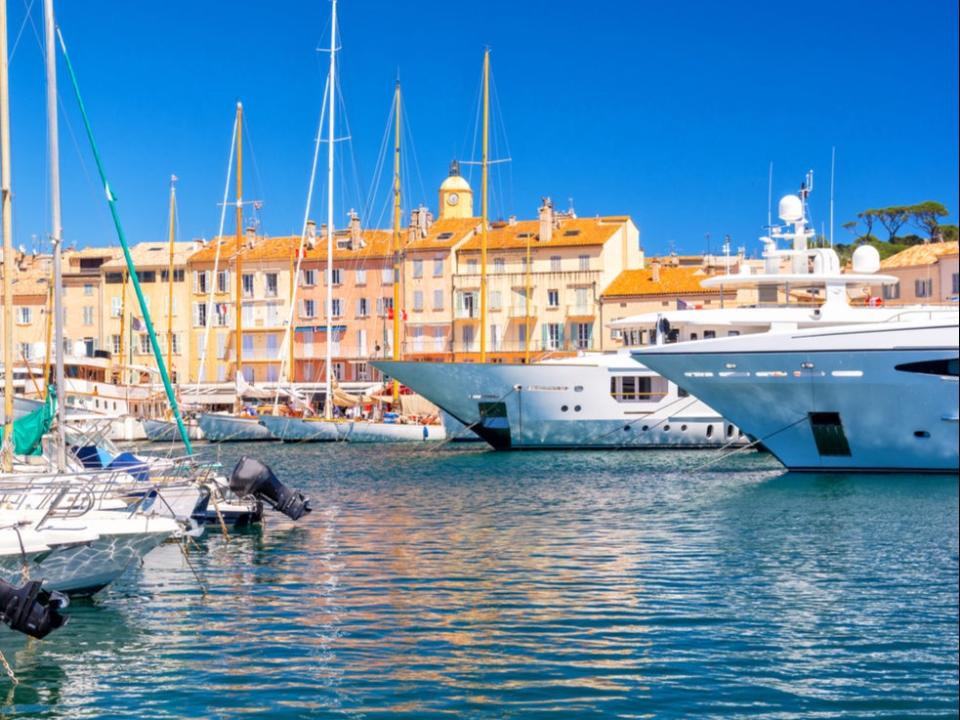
(546, 336)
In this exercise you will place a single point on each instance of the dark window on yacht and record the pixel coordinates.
(630, 388)
(707, 334)
(693, 336)
(682, 393)
(733, 333)
(709, 430)
(828, 434)
(948, 366)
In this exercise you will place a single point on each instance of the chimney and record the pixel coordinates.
(323, 230)
(355, 239)
(311, 234)
(546, 221)
(251, 236)
(512, 220)
(655, 271)
(424, 221)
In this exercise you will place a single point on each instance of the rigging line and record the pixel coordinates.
(23, 26)
(353, 157)
(216, 260)
(476, 128)
(285, 345)
(723, 456)
(381, 162)
(248, 137)
(412, 152)
(498, 111)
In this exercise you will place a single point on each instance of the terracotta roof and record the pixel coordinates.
(151, 255)
(31, 282)
(673, 281)
(445, 233)
(376, 244)
(925, 254)
(573, 232)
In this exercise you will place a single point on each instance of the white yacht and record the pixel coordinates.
(873, 397)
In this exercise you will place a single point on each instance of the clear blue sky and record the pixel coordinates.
(670, 112)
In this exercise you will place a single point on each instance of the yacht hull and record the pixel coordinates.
(291, 429)
(561, 406)
(167, 431)
(379, 432)
(227, 428)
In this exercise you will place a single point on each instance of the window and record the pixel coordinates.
(631, 388)
(554, 336)
(336, 276)
(363, 308)
(417, 300)
(468, 337)
(113, 278)
(583, 335)
(272, 344)
(308, 278)
(308, 308)
(248, 285)
(88, 290)
(438, 299)
(571, 233)
(496, 300)
(199, 314)
(337, 310)
(438, 339)
(733, 333)
(555, 263)
(496, 337)
(956, 283)
(891, 292)
(499, 265)
(221, 349)
(201, 278)
(175, 344)
(472, 266)
(223, 281)
(386, 275)
(584, 262)
(582, 304)
(384, 305)
(362, 343)
(177, 275)
(417, 333)
(116, 306)
(247, 344)
(271, 282)
(23, 349)
(924, 288)
(467, 304)
(418, 268)
(553, 298)
(25, 315)
(115, 344)
(360, 278)
(147, 276)
(88, 314)
(144, 344)
(438, 267)
(221, 311)
(522, 335)
(708, 334)
(273, 314)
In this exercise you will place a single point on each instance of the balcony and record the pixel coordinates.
(519, 311)
(583, 311)
(466, 313)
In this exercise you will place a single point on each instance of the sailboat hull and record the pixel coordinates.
(167, 431)
(290, 429)
(378, 432)
(227, 428)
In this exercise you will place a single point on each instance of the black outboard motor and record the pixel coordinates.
(252, 477)
(30, 610)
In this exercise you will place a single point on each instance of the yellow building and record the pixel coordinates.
(456, 196)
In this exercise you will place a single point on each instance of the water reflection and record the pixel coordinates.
(482, 585)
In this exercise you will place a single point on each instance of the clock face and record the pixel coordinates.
(453, 199)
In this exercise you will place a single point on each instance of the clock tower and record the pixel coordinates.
(456, 197)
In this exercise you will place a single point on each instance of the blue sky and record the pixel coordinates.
(669, 112)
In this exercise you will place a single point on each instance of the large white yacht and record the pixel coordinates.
(613, 399)
(873, 397)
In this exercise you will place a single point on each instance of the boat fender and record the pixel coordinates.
(252, 477)
(30, 610)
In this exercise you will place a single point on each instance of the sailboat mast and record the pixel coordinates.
(331, 108)
(483, 204)
(396, 239)
(526, 307)
(7, 245)
(173, 205)
(56, 226)
(238, 260)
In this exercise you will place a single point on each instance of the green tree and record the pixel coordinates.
(926, 215)
(851, 227)
(893, 218)
(868, 217)
(949, 233)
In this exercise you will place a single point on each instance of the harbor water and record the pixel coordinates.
(467, 583)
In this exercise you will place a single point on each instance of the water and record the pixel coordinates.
(473, 584)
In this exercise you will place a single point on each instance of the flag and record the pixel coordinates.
(403, 316)
(681, 305)
(135, 323)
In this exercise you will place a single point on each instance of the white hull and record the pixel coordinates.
(227, 428)
(291, 429)
(564, 405)
(832, 399)
(362, 431)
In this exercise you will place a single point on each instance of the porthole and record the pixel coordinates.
(666, 428)
(564, 408)
(683, 428)
(578, 388)
(709, 430)
(729, 430)
(626, 428)
(576, 408)
(645, 428)
(921, 434)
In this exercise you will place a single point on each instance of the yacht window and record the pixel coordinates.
(631, 388)
(709, 430)
(733, 333)
(693, 336)
(947, 366)
(707, 334)
(682, 393)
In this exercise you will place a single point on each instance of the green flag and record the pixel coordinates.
(29, 430)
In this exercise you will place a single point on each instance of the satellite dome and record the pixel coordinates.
(866, 259)
(791, 208)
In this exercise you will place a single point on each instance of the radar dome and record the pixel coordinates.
(866, 259)
(791, 208)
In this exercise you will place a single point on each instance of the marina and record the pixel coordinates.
(387, 445)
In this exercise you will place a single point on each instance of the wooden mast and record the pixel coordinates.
(483, 203)
(396, 240)
(238, 260)
(8, 262)
(173, 205)
(331, 109)
(527, 309)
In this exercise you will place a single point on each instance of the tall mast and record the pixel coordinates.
(331, 108)
(527, 308)
(396, 239)
(7, 245)
(56, 226)
(173, 205)
(483, 204)
(238, 261)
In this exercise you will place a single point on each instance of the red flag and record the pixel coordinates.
(404, 315)
(390, 313)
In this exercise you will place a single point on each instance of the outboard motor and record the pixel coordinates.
(30, 610)
(252, 477)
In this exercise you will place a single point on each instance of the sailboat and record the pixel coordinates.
(239, 425)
